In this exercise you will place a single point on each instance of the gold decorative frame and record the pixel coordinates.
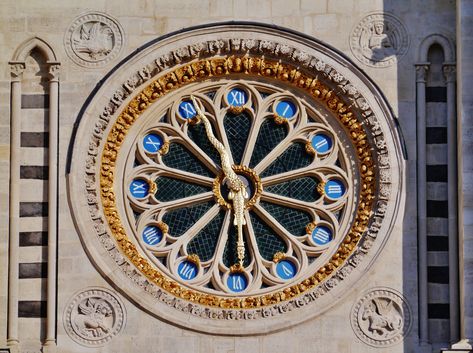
(227, 66)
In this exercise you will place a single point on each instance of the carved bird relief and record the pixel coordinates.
(95, 40)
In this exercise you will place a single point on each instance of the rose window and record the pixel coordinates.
(297, 182)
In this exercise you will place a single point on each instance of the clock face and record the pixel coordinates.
(294, 162)
(218, 178)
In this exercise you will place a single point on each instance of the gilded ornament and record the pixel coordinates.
(278, 257)
(253, 66)
(309, 148)
(194, 258)
(247, 172)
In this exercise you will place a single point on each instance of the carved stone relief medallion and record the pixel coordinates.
(94, 316)
(381, 317)
(379, 39)
(93, 39)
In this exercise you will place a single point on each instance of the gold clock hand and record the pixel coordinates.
(238, 192)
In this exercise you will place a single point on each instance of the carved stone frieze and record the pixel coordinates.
(94, 316)
(381, 317)
(379, 39)
(93, 39)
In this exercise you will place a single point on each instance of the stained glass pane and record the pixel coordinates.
(269, 242)
(181, 219)
(181, 158)
(205, 241)
(170, 189)
(237, 128)
(269, 136)
(292, 219)
(294, 157)
(304, 189)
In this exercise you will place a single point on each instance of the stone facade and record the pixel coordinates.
(62, 61)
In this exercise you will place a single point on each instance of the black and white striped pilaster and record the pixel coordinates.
(437, 214)
(33, 237)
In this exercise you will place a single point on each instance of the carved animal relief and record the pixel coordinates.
(93, 317)
(381, 318)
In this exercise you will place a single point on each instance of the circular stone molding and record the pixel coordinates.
(174, 65)
(379, 39)
(94, 316)
(381, 318)
(93, 39)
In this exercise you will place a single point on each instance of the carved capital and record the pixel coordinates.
(450, 72)
(16, 70)
(421, 72)
(54, 71)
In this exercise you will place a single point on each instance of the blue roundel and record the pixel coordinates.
(152, 235)
(321, 235)
(139, 188)
(237, 282)
(334, 189)
(286, 109)
(237, 97)
(187, 110)
(187, 270)
(286, 269)
(321, 143)
(152, 143)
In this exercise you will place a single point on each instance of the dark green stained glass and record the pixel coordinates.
(181, 219)
(269, 242)
(264, 94)
(304, 189)
(181, 158)
(294, 157)
(292, 219)
(198, 135)
(237, 128)
(230, 252)
(211, 94)
(170, 189)
(269, 136)
(205, 241)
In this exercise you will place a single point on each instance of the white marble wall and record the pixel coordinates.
(328, 20)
